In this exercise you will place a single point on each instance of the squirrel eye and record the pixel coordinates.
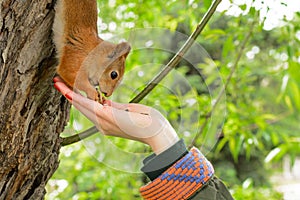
(113, 75)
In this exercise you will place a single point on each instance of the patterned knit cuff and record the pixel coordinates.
(181, 180)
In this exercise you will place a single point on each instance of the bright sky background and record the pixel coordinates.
(278, 9)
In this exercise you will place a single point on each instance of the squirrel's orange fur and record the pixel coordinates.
(85, 60)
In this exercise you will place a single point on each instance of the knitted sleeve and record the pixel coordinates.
(181, 180)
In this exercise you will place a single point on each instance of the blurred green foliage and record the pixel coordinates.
(261, 101)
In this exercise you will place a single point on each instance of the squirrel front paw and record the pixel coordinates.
(96, 96)
(100, 97)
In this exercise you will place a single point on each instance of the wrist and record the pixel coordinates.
(162, 141)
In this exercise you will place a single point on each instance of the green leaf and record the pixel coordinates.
(228, 46)
(235, 145)
(276, 153)
(288, 102)
(232, 148)
(274, 138)
(294, 70)
(252, 11)
(290, 51)
(221, 144)
(214, 34)
(248, 183)
(296, 94)
(285, 80)
(272, 154)
(243, 7)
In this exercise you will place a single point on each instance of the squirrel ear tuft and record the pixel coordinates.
(121, 49)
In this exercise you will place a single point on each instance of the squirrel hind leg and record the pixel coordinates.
(65, 75)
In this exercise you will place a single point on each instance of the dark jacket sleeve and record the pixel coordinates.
(213, 190)
(155, 165)
(181, 174)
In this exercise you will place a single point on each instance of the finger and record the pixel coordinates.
(102, 118)
(57, 79)
(75, 97)
(120, 106)
(65, 90)
(91, 115)
(62, 87)
(83, 104)
(132, 107)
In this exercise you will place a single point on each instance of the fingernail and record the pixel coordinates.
(56, 87)
(55, 79)
(107, 102)
(68, 96)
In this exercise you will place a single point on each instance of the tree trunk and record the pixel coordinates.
(32, 113)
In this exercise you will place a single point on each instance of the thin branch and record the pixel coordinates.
(178, 56)
(228, 79)
(159, 77)
(76, 138)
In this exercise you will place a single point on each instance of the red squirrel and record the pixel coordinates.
(85, 60)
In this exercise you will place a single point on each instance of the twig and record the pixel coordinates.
(159, 77)
(178, 56)
(235, 66)
(76, 138)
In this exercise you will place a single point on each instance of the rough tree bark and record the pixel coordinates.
(32, 113)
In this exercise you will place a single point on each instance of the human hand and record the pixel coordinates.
(131, 121)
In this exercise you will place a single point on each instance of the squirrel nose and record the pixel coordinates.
(105, 94)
